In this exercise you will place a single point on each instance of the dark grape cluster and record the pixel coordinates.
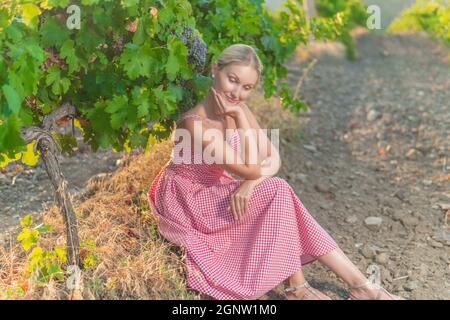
(118, 45)
(184, 83)
(196, 48)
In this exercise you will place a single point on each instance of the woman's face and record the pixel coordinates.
(235, 82)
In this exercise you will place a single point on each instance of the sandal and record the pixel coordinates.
(310, 292)
(380, 291)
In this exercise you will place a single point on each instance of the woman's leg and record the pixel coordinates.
(341, 265)
(296, 279)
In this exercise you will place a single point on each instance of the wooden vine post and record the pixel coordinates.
(310, 8)
(49, 150)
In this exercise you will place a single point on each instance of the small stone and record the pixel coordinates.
(427, 182)
(383, 145)
(386, 275)
(442, 235)
(409, 221)
(4, 179)
(412, 154)
(309, 165)
(387, 211)
(303, 178)
(411, 285)
(351, 219)
(381, 135)
(436, 244)
(399, 194)
(398, 215)
(347, 136)
(372, 115)
(382, 258)
(423, 270)
(326, 205)
(310, 147)
(373, 223)
(367, 252)
(321, 187)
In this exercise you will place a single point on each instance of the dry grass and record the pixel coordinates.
(271, 115)
(134, 260)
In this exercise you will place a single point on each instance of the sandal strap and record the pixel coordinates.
(379, 287)
(361, 285)
(387, 292)
(303, 285)
(308, 292)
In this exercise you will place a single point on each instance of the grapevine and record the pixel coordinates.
(122, 75)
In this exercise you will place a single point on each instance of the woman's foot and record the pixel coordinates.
(371, 291)
(304, 292)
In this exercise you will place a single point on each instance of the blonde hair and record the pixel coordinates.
(240, 54)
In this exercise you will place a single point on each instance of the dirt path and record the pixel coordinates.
(375, 146)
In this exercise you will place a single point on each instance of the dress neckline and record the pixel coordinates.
(188, 115)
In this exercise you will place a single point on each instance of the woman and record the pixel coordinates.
(242, 237)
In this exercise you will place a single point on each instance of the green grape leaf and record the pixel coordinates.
(177, 57)
(138, 62)
(10, 139)
(61, 253)
(26, 221)
(44, 228)
(30, 157)
(53, 32)
(12, 97)
(29, 11)
(68, 52)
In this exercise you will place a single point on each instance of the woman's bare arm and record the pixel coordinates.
(267, 152)
(213, 142)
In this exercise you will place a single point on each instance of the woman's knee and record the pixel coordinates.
(280, 183)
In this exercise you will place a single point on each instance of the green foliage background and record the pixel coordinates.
(432, 17)
(125, 85)
(354, 14)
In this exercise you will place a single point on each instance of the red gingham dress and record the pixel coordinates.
(227, 258)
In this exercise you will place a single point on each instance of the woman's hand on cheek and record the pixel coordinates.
(224, 108)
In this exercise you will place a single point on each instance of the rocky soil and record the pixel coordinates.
(374, 165)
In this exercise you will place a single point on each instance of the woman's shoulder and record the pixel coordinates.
(195, 113)
(199, 112)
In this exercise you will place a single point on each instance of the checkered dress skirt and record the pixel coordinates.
(228, 258)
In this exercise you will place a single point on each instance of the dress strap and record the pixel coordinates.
(189, 115)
